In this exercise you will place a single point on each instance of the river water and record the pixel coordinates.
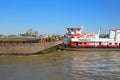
(62, 65)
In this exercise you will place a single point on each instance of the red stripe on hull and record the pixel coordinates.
(91, 45)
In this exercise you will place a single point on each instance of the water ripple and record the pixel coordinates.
(95, 66)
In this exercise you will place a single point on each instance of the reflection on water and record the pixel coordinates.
(63, 65)
(95, 65)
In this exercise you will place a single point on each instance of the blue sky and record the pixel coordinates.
(54, 16)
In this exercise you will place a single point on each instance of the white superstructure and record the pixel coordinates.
(76, 38)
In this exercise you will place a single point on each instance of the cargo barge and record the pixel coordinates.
(27, 47)
(78, 40)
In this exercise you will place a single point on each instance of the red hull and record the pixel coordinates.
(92, 45)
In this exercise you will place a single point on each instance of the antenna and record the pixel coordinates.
(99, 32)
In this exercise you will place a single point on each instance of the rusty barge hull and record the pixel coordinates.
(25, 47)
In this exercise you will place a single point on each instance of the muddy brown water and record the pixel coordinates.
(62, 65)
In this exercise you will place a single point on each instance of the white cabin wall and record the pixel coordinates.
(117, 35)
(112, 34)
(96, 36)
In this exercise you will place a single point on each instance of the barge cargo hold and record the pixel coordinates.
(26, 47)
(78, 39)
